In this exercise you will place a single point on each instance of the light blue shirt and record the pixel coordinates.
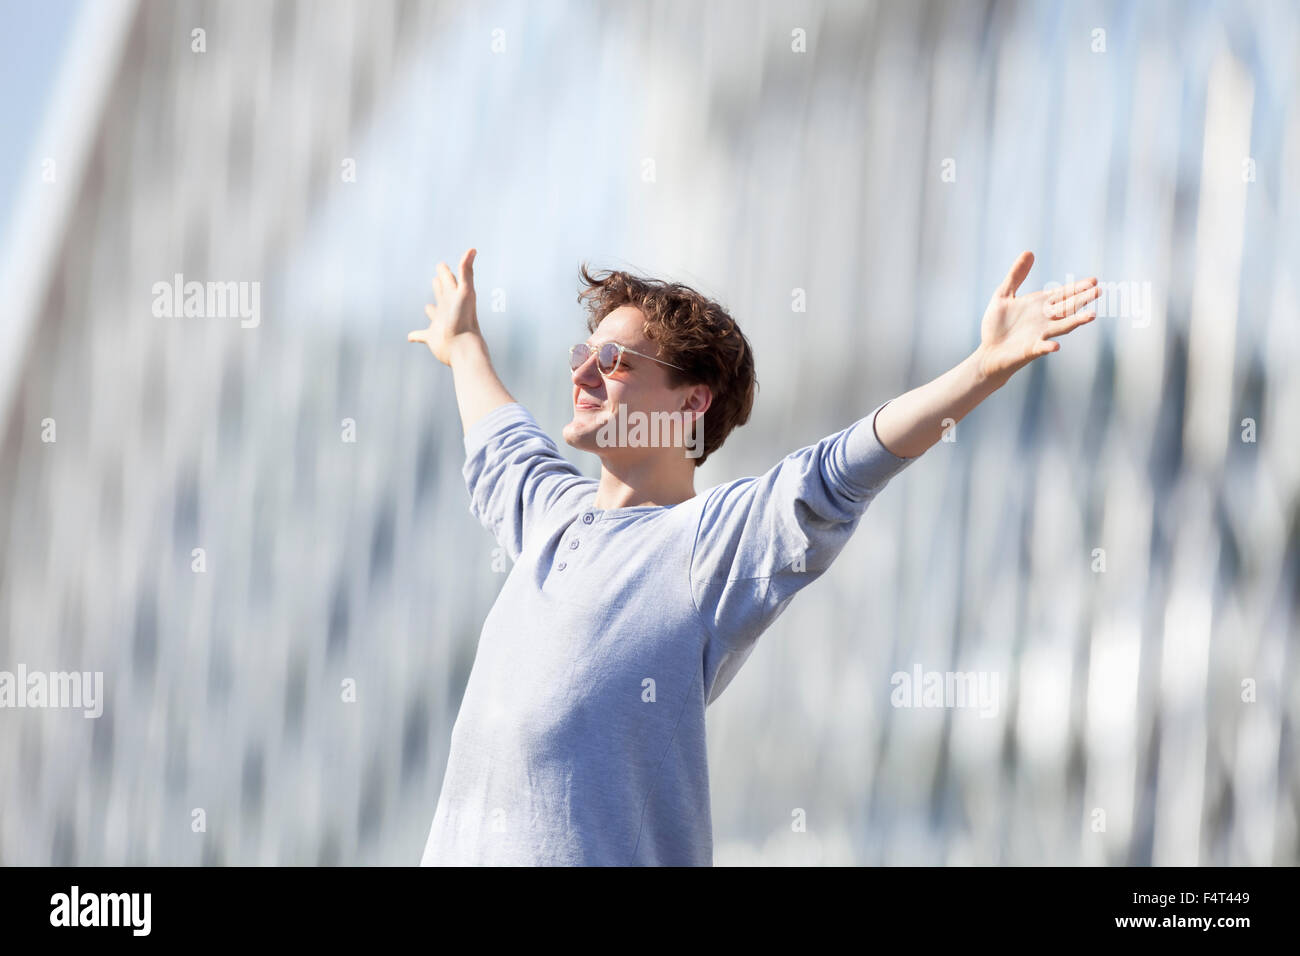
(580, 738)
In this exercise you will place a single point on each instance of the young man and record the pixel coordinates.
(633, 600)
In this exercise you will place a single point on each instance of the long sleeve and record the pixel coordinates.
(515, 474)
(761, 540)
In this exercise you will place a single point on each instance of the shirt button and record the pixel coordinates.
(561, 566)
(586, 519)
(573, 544)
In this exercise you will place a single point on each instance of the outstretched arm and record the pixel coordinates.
(1015, 331)
(454, 338)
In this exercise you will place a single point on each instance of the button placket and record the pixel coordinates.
(587, 518)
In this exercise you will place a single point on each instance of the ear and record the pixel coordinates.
(697, 399)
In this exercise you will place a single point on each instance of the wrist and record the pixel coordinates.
(984, 381)
(467, 346)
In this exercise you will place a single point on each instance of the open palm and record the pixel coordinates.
(454, 313)
(1016, 329)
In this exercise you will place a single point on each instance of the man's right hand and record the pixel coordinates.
(453, 317)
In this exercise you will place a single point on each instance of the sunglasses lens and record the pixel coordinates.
(607, 358)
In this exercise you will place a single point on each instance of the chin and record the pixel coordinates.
(581, 433)
(574, 434)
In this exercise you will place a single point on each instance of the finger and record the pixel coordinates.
(417, 336)
(431, 312)
(1073, 303)
(1068, 290)
(1046, 348)
(467, 268)
(448, 280)
(1019, 269)
(1081, 318)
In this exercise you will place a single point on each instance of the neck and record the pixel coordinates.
(655, 483)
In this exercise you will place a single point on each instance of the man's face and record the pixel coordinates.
(640, 386)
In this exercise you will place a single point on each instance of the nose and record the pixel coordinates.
(587, 373)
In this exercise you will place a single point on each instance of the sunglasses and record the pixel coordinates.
(609, 357)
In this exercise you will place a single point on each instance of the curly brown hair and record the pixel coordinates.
(692, 331)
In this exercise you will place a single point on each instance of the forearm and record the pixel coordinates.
(915, 420)
(478, 389)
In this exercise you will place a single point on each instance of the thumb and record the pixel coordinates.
(1019, 269)
(467, 267)
(418, 336)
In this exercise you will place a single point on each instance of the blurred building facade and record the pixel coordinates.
(256, 528)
